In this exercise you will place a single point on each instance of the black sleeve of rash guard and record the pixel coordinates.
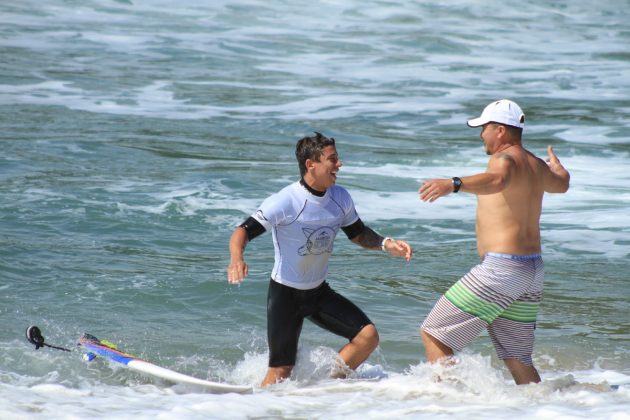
(252, 227)
(354, 229)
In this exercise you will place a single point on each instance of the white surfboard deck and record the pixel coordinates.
(100, 348)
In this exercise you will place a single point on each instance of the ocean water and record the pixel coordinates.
(137, 134)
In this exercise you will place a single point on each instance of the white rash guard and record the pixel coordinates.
(304, 227)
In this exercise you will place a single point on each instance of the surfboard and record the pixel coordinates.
(104, 348)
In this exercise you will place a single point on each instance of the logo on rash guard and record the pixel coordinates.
(318, 241)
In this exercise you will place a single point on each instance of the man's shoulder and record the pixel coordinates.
(337, 191)
(290, 188)
(285, 194)
(517, 156)
(507, 155)
(285, 202)
(287, 190)
(535, 163)
(342, 197)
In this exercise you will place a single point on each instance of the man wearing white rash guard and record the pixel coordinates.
(504, 291)
(304, 219)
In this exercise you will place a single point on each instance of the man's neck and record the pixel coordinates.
(311, 189)
(505, 146)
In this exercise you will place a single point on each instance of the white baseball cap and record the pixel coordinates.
(503, 111)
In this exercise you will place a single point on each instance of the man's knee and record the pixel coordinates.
(426, 337)
(368, 337)
(435, 350)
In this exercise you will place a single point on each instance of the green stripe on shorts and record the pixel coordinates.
(470, 303)
(521, 312)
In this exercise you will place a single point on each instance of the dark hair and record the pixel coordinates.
(515, 131)
(311, 148)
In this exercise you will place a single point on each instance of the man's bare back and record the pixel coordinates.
(508, 221)
(509, 193)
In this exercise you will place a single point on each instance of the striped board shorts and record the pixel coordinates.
(502, 294)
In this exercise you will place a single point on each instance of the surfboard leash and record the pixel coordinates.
(35, 337)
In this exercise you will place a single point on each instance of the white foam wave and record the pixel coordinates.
(473, 388)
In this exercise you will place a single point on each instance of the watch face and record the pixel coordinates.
(457, 183)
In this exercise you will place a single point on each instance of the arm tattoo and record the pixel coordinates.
(368, 239)
(505, 156)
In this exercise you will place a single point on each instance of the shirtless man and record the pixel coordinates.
(504, 291)
(304, 219)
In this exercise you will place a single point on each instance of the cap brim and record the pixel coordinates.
(476, 122)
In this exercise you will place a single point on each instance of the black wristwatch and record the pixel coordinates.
(457, 184)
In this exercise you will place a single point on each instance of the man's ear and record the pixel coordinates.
(309, 163)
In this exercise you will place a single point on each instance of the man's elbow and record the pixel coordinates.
(239, 237)
(565, 183)
(560, 187)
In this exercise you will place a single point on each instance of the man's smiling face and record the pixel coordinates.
(324, 171)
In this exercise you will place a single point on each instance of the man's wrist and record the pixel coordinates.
(387, 238)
